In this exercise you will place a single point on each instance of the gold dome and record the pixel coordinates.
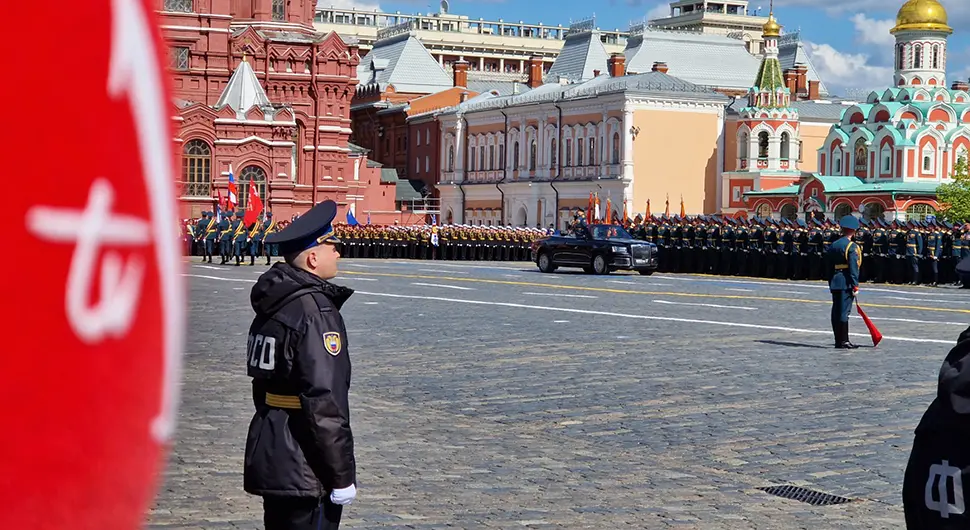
(922, 15)
(771, 28)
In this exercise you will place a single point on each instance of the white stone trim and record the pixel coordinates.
(200, 29)
(336, 129)
(236, 121)
(254, 139)
(328, 148)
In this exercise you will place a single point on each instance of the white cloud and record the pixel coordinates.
(658, 11)
(873, 31)
(369, 5)
(848, 71)
(958, 10)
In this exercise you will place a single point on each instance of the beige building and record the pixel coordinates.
(532, 159)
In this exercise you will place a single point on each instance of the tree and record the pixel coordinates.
(954, 198)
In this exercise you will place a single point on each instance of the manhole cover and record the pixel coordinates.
(798, 493)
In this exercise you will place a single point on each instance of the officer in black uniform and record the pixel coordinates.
(938, 471)
(845, 258)
(300, 448)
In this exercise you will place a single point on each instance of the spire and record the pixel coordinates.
(771, 28)
(244, 90)
(769, 90)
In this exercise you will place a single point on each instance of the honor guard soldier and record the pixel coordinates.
(914, 249)
(846, 259)
(225, 237)
(880, 244)
(239, 236)
(934, 251)
(200, 230)
(269, 227)
(300, 448)
(956, 254)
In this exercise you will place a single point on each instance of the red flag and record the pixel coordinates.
(255, 205)
(683, 213)
(873, 332)
(648, 209)
(609, 211)
(589, 209)
(626, 216)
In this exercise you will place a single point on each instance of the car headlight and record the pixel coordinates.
(620, 250)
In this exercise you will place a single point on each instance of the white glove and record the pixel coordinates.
(343, 496)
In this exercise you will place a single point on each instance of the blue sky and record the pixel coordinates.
(849, 39)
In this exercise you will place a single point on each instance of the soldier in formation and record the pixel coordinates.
(454, 242)
(231, 238)
(913, 252)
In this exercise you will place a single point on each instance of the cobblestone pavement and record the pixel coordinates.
(489, 395)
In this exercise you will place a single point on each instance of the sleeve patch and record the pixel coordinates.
(331, 341)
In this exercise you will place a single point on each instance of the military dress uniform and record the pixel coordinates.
(300, 447)
(201, 228)
(934, 251)
(225, 237)
(845, 258)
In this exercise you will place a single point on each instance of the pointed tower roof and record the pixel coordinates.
(582, 53)
(398, 58)
(243, 91)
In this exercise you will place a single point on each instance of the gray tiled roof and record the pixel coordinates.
(651, 83)
(791, 51)
(503, 88)
(291, 36)
(404, 62)
(243, 91)
(407, 190)
(388, 175)
(828, 110)
(582, 53)
(703, 59)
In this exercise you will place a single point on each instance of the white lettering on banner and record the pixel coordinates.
(121, 282)
(941, 476)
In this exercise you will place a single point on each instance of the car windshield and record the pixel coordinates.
(609, 232)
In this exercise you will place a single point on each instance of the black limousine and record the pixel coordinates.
(597, 249)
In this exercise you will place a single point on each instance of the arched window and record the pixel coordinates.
(616, 148)
(763, 211)
(196, 163)
(743, 145)
(918, 212)
(873, 210)
(451, 158)
(569, 152)
(515, 154)
(860, 154)
(842, 210)
(533, 153)
(592, 151)
(785, 145)
(279, 10)
(553, 153)
(471, 158)
(763, 144)
(929, 159)
(936, 56)
(182, 6)
(837, 162)
(900, 55)
(501, 156)
(918, 56)
(788, 211)
(481, 158)
(258, 176)
(579, 151)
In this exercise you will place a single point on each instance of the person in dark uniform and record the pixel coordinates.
(934, 485)
(845, 258)
(934, 251)
(300, 448)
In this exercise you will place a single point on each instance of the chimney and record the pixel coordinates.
(617, 64)
(596, 73)
(461, 73)
(659, 67)
(535, 71)
(463, 97)
(961, 85)
(813, 90)
(791, 81)
(802, 84)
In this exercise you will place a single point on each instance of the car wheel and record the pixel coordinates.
(545, 263)
(599, 265)
(645, 272)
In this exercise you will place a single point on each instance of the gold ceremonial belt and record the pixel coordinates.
(283, 402)
(837, 267)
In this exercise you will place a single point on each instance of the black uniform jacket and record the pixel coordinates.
(300, 443)
(935, 492)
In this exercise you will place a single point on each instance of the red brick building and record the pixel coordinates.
(258, 90)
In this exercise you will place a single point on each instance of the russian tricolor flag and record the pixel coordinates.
(233, 199)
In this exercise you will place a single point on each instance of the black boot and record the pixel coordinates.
(238, 260)
(846, 343)
(837, 331)
(252, 260)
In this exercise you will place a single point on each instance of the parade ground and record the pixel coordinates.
(490, 395)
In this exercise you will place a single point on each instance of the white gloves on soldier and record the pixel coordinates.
(343, 496)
